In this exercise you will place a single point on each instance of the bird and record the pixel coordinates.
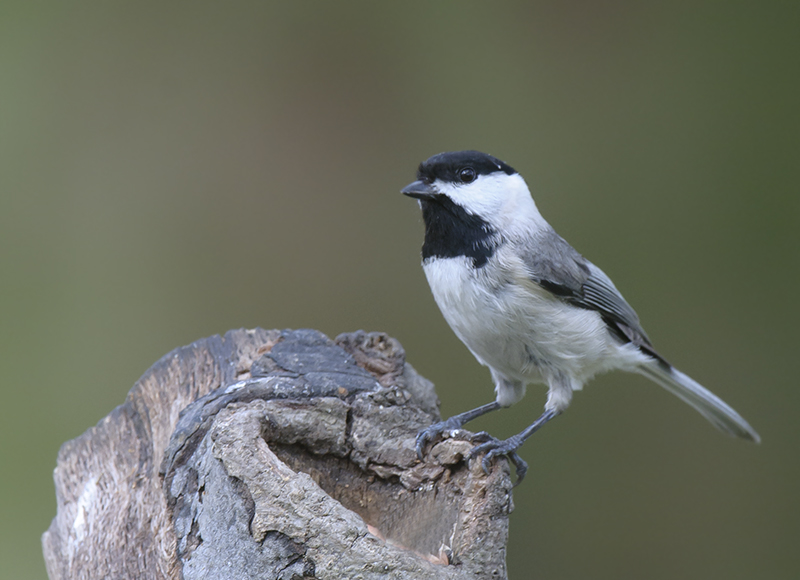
(526, 304)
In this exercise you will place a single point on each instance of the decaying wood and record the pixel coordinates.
(276, 454)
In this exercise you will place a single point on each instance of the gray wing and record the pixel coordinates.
(559, 268)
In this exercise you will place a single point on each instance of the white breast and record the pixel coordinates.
(519, 329)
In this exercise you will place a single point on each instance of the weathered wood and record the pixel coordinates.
(268, 454)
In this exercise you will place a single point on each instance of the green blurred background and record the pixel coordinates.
(173, 170)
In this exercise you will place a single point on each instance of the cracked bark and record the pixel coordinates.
(276, 454)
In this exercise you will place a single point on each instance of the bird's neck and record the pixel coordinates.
(450, 232)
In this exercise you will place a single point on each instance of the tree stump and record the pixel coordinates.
(276, 454)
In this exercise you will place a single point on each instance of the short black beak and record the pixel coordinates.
(419, 190)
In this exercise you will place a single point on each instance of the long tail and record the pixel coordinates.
(710, 406)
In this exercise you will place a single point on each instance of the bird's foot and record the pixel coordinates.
(493, 447)
(454, 423)
(435, 431)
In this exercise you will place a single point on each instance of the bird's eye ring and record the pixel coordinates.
(467, 175)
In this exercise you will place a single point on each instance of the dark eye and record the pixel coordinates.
(467, 175)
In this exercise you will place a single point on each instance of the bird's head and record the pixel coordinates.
(475, 186)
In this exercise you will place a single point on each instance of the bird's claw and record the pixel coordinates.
(433, 432)
(489, 445)
(493, 447)
(481, 437)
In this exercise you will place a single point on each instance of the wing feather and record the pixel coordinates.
(559, 268)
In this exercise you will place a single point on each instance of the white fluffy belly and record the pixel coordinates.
(519, 329)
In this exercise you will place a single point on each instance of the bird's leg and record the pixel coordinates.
(509, 447)
(455, 422)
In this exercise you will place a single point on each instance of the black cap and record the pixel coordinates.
(447, 166)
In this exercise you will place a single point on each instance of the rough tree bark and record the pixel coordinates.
(276, 454)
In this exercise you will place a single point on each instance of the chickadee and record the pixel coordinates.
(526, 304)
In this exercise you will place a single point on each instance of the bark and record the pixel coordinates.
(276, 454)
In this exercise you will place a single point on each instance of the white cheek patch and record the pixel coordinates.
(500, 199)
